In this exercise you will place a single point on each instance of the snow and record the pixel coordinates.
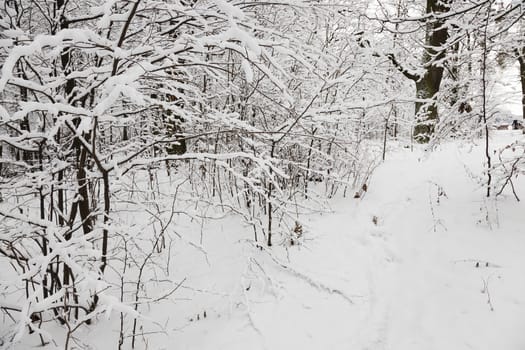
(409, 286)
(235, 33)
(422, 261)
(229, 9)
(508, 90)
(248, 72)
(411, 280)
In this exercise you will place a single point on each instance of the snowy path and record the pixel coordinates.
(426, 259)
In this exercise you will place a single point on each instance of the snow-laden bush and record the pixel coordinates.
(121, 118)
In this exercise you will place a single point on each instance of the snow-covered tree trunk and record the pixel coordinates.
(427, 85)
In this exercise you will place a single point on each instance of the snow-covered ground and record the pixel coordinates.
(441, 269)
(422, 261)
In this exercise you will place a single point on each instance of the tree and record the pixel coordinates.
(236, 101)
(428, 81)
(520, 54)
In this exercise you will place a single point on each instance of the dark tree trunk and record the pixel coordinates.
(428, 85)
(521, 60)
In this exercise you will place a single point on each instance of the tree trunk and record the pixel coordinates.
(521, 60)
(428, 85)
(426, 112)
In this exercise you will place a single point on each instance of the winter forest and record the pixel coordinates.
(236, 174)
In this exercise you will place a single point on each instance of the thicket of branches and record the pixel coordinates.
(118, 118)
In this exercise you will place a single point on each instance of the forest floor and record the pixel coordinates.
(421, 261)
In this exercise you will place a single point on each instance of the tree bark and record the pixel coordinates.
(429, 83)
(521, 60)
